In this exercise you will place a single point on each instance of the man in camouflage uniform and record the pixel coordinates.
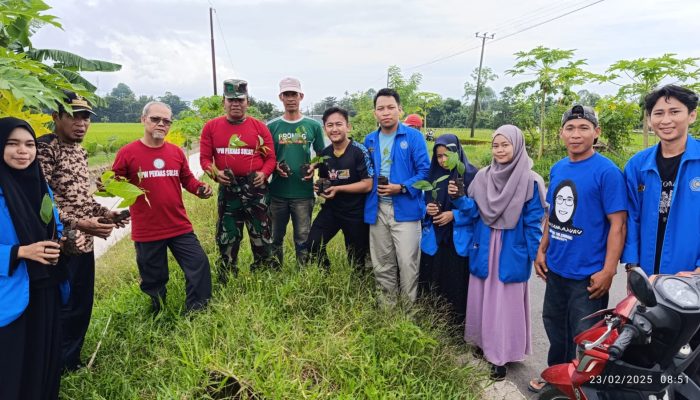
(65, 165)
(237, 150)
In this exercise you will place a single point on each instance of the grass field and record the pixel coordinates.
(102, 133)
(294, 334)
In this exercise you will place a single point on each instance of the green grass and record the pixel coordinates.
(288, 335)
(101, 132)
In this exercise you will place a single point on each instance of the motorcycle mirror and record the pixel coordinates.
(638, 283)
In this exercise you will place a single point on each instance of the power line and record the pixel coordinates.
(506, 36)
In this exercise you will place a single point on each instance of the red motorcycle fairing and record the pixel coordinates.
(559, 376)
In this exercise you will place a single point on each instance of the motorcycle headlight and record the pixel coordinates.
(680, 293)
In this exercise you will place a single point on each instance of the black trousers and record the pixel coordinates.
(326, 226)
(75, 315)
(30, 363)
(152, 260)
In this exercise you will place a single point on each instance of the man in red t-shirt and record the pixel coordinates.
(161, 222)
(237, 150)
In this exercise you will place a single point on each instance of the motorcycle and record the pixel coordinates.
(430, 135)
(641, 349)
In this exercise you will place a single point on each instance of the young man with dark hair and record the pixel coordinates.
(242, 171)
(64, 162)
(663, 186)
(291, 190)
(394, 208)
(583, 236)
(350, 171)
(161, 223)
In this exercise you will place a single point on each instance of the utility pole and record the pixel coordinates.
(213, 60)
(478, 77)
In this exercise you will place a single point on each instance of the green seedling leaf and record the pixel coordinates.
(236, 142)
(46, 210)
(107, 176)
(124, 189)
(440, 179)
(102, 194)
(434, 193)
(461, 168)
(319, 159)
(422, 185)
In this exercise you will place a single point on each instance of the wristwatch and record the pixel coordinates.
(403, 189)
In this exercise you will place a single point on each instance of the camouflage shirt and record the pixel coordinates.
(65, 167)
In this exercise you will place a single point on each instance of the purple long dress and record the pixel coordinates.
(498, 314)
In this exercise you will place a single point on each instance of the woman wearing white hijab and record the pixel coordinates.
(506, 206)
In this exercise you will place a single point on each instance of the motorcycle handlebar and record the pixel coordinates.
(629, 333)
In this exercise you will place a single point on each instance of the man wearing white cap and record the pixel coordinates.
(291, 189)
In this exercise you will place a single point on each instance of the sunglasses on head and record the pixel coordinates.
(158, 120)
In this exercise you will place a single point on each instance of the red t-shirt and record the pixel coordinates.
(214, 144)
(163, 170)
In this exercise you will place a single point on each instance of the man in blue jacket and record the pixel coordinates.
(663, 187)
(394, 208)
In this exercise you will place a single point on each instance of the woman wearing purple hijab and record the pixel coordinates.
(506, 207)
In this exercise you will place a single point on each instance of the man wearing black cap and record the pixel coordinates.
(237, 150)
(65, 165)
(583, 236)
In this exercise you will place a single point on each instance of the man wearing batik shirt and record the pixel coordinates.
(65, 165)
(349, 168)
(237, 150)
(159, 219)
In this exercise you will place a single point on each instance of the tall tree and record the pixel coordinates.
(426, 102)
(26, 71)
(407, 88)
(486, 94)
(644, 74)
(553, 71)
(175, 102)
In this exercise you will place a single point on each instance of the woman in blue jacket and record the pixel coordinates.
(31, 277)
(505, 208)
(444, 269)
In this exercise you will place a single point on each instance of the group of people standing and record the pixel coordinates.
(471, 239)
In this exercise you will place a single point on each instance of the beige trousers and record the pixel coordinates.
(395, 251)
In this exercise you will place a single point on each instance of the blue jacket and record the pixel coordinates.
(681, 249)
(410, 163)
(14, 289)
(519, 245)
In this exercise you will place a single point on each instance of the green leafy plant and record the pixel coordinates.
(117, 186)
(319, 159)
(430, 186)
(46, 210)
(453, 162)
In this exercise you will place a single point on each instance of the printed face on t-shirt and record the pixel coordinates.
(565, 204)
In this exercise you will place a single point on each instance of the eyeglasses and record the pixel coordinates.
(158, 120)
(569, 201)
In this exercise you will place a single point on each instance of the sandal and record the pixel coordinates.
(536, 385)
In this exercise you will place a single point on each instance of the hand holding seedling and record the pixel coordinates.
(330, 192)
(204, 192)
(388, 190)
(259, 179)
(443, 218)
(92, 226)
(45, 252)
(452, 188)
(222, 178)
(115, 217)
(280, 171)
(432, 209)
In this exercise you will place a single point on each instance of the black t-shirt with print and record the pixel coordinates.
(350, 167)
(668, 169)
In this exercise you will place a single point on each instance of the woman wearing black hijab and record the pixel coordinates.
(444, 269)
(32, 280)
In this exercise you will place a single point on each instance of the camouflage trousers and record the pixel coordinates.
(242, 203)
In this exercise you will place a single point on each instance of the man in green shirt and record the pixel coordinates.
(291, 189)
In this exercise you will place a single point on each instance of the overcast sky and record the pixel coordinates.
(347, 45)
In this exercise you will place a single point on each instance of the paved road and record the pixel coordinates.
(521, 373)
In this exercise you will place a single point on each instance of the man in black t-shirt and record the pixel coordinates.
(349, 168)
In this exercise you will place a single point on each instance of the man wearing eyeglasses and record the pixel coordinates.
(583, 236)
(159, 219)
(237, 151)
(65, 165)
